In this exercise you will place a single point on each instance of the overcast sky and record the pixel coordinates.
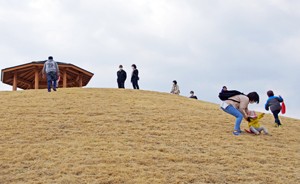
(249, 45)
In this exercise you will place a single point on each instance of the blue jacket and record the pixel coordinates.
(273, 103)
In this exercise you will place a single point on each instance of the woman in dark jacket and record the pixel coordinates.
(135, 77)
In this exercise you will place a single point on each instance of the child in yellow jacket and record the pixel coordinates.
(254, 124)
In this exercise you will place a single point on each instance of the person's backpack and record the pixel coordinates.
(225, 95)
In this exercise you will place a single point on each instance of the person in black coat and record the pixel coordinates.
(224, 89)
(122, 76)
(135, 77)
(193, 95)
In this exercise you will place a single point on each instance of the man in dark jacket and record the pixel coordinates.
(135, 77)
(122, 76)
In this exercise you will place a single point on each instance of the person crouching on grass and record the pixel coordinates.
(237, 106)
(193, 95)
(254, 125)
(175, 88)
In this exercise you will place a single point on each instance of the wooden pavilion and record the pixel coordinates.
(29, 76)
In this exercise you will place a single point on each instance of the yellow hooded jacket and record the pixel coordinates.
(255, 122)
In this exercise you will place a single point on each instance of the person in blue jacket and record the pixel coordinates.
(273, 104)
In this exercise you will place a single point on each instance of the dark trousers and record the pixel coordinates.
(51, 79)
(276, 116)
(135, 84)
(121, 85)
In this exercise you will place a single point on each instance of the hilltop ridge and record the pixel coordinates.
(129, 136)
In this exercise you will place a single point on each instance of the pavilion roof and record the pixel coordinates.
(26, 74)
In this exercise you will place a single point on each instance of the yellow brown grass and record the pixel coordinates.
(125, 136)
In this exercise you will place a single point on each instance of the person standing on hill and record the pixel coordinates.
(51, 69)
(122, 76)
(237, 105)
(175, 88)
(273, 103)
(135, 77)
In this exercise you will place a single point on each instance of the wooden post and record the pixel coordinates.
(80, 80)
(15, 81)
(36, 79)
(65, 79)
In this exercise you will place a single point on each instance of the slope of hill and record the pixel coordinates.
(125, 136)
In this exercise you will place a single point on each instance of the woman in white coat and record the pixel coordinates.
(175, 88)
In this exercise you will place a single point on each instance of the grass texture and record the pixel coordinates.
(108, 136)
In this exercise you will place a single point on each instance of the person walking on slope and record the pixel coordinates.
(135, 77)
(51, 69)
(237, 106)
(175, 88)
(273, 103)
(122, 76)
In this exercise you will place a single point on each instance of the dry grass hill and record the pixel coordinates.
(125, 136)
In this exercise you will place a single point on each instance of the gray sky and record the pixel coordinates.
(249, 45)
